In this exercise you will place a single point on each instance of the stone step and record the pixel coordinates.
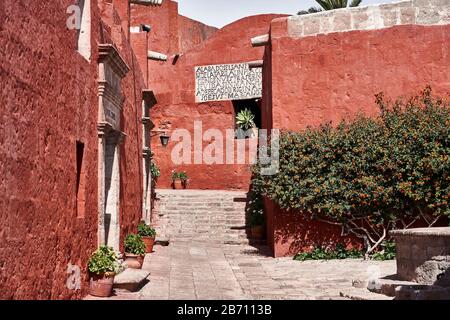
(422, 292)
(362, 294)
(202, 215)
(386, 286)
(131, 279)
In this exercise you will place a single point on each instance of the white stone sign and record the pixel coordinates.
(227, 82)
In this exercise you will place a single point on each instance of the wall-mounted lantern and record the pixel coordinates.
(164, 139)
(163, 136)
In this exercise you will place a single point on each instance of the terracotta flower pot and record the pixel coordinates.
(101, 285)
(177, 184)
(134, 261)
(258, 232)
(149, 242)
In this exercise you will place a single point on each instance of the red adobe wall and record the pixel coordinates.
(176, 107)
(49, 101)
(192, 32)
(322, 78)
(312, 78)
(170, 34)
(163, 20)
(289, 233)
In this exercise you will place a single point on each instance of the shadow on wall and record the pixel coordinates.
(294, 232)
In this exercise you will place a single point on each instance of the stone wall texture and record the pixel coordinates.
(50, 101)
(418, 12)
(423, 255)
(328, 66)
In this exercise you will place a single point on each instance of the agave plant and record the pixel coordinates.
(245, 119)
(330, 5)
(336, 4)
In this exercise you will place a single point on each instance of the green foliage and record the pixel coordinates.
(337, 4)
(104, 260)
(245, 119)
(179, 175)
(255, 210)
(387, 253)
(377, 169)
(320, 253)
(145, 230)
(310, 10)
(330, 5)
(134, 244)
(155, 172)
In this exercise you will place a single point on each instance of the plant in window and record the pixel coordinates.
(245, 122)
(245, 119)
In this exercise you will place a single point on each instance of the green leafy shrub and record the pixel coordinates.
(179, 175)
(145, 230)
(369, 175)
(155, 172)
(387, 253)
(104, 260)
(255, 210)
(134, 244)
(320, 253)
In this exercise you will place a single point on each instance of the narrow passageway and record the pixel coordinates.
(210, 257)
(200, 270)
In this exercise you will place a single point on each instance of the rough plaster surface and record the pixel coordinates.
(418, 12)
(50, 100)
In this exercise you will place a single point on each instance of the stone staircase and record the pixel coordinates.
(213, 216)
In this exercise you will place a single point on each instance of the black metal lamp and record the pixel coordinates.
(164, 139)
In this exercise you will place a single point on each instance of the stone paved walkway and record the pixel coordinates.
(202, 271)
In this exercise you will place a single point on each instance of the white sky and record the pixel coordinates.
(218, 13)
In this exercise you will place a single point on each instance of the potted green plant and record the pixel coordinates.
(245, 121)
(179, 179)
(155, 172)
(134, 251)
(257, 223)
(255, 214)
(148, 235)
(103, 266)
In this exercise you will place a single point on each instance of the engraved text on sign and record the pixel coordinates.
(227, 82)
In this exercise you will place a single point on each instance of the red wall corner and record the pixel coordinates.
(291, 232)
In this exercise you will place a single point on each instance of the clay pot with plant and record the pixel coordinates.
(255, 211)
(148, 235)
(103, 266)
(257, 226)
(134, 251)
(179, 179)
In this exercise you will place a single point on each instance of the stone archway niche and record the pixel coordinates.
(112, 69)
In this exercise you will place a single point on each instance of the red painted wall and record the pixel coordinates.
(49, 101)
(289, 233)
(332, 77)
(192, 33)
(171, 34)
(317, 79)
(174, 89)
